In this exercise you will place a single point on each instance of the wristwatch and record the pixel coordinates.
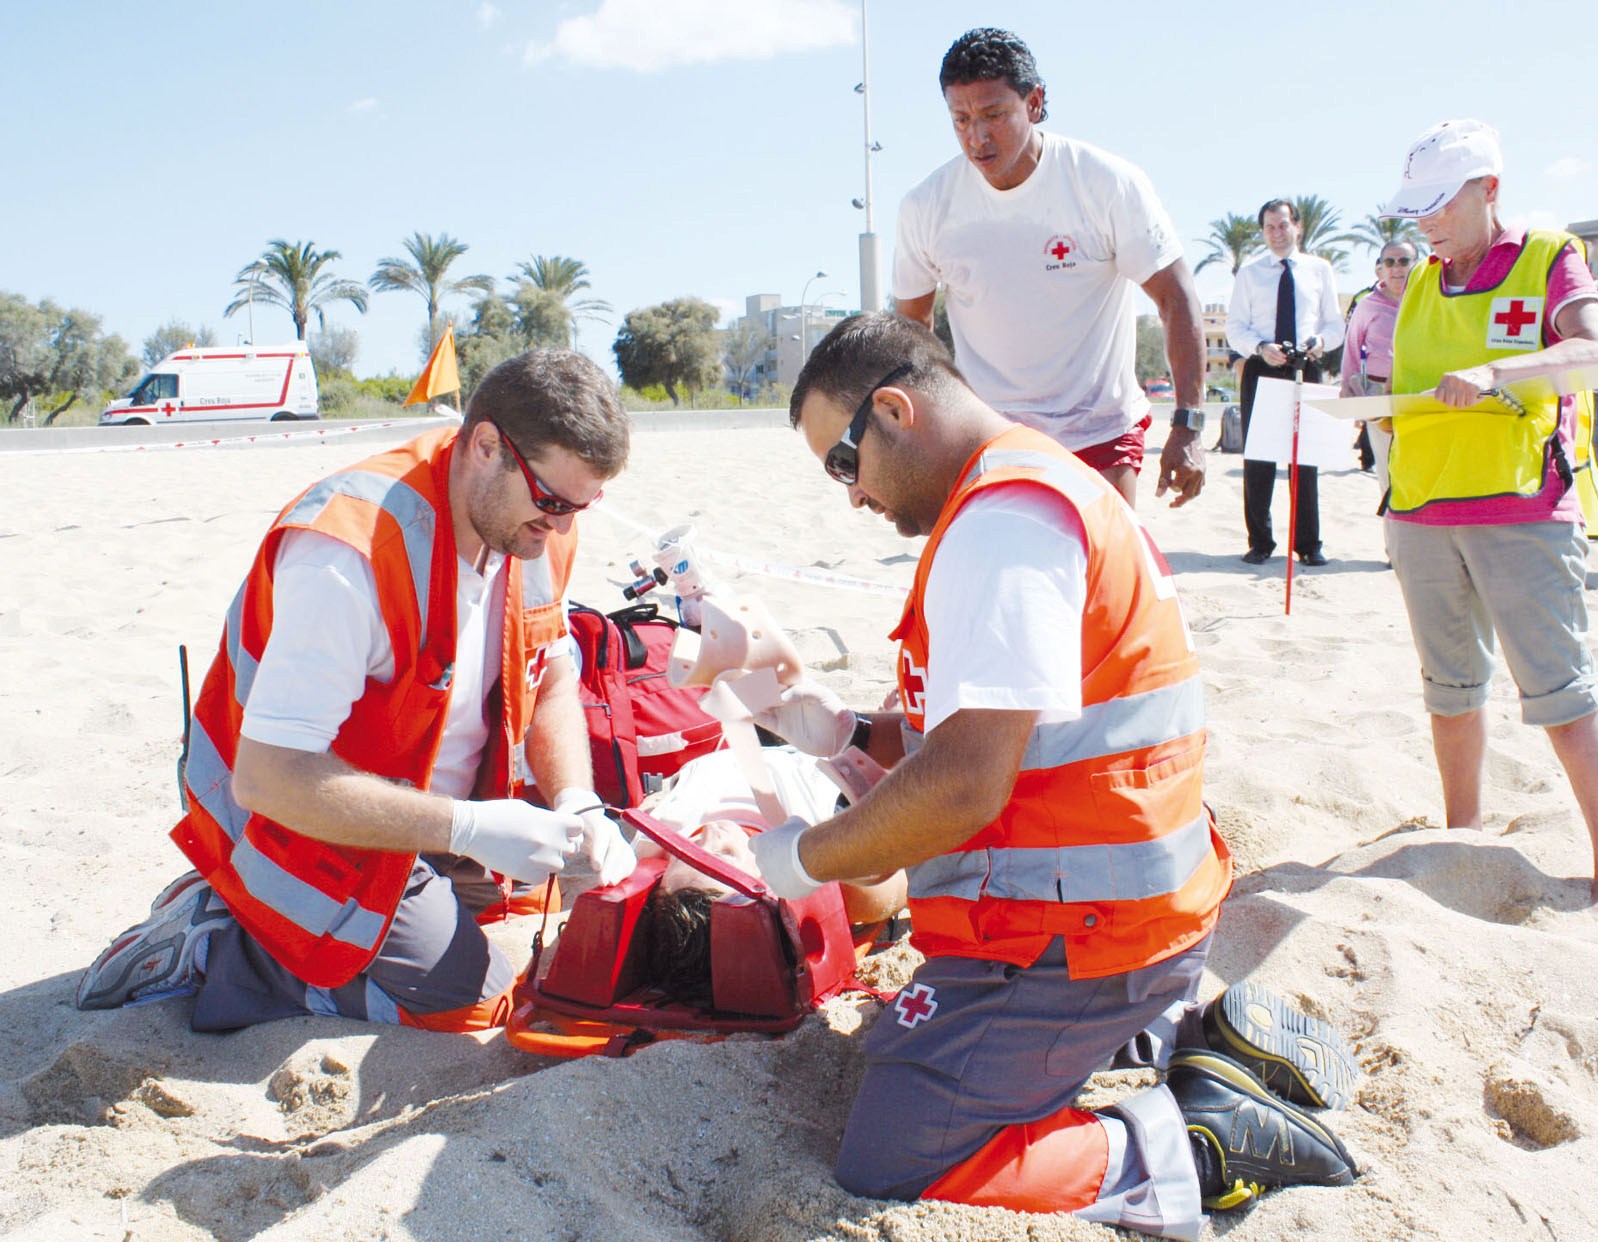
(1188, 418)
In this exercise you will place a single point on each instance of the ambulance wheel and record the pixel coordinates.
(135, 422)
(283, 416)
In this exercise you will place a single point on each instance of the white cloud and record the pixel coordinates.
(363, 105)
(487, 14)
(648, 35)
(1564, 169)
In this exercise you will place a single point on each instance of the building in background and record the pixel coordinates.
(791, 333)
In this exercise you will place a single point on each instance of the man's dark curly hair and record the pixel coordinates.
(987, 54)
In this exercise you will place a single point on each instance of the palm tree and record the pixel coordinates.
(1232, 239)
(1318, 221)
(1373, 232)
(561, 277)
(424, 272)
(291, 276)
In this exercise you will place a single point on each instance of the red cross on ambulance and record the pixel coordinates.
(1515, 323)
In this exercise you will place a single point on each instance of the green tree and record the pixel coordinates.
(425, 273)
(1319, 222)
(1233, 238)
(1373, 232)
(744, 347)
(1150, 362)
(172, 336)
(673, 344)
(58, 355)
(334, 349)
(559, 279)
(291, 277)
(542, 318)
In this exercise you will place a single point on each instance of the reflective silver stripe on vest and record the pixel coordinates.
(1127, 872)
(1080, 489)
(244, 664)
(1131, 722)
(211, 783)
(417, 522)
(312, 910)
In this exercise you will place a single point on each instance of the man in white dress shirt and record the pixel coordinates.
(1282, 297)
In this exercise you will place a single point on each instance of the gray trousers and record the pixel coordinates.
(1005, 1045)
(434, 959)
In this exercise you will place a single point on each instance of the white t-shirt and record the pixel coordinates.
(1039, 283)
(1022, 553)
(328, 637)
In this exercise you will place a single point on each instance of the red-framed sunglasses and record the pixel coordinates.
(547, 501)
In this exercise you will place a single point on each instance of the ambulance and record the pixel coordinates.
(213, 383)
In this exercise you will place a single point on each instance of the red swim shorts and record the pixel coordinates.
(1124, 450)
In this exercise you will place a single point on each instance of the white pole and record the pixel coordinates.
(870, 290)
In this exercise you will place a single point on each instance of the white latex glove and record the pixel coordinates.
(608, 852)
(514, 838)
(777, 852)
(811, 717)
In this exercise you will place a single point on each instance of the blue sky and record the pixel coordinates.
(705, 147)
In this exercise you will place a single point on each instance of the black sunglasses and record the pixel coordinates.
(1399, 261)
(546, 500)
(843, 458)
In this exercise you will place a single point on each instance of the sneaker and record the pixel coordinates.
(1299, 1057)
(1245, 1139)
(155, 959)
(1255, 556)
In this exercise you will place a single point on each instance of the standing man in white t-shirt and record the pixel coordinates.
(1038, 241)
(393, 671)
(1045, 794)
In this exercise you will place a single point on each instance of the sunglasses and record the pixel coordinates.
(843, 458)
(1396, 262)
(546, 500)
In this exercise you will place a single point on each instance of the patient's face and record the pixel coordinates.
(725, 840)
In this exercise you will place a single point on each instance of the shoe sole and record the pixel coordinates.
(1295, 1055)
(109, 984)
(1240, 1079)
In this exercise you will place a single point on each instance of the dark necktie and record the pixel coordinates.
(1286, 312)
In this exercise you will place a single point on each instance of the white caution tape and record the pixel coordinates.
(264, 437)
(767, 569)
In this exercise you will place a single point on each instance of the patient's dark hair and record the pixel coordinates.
(679, 944)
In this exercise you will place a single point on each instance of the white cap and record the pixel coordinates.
(1441, 161)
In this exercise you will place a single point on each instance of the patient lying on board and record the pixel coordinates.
(710, 802)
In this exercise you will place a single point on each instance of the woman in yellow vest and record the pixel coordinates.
(1484, 524)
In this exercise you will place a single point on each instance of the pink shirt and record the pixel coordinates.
(1370, 328)
(1569, 281)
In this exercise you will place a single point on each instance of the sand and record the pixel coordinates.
(1460, 965)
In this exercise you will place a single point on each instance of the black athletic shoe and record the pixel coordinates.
(1299, 1057)
(1255, 556)
(1245, 1139)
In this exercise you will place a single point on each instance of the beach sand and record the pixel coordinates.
(1460, 965)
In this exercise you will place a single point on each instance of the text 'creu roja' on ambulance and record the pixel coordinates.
(213, 383)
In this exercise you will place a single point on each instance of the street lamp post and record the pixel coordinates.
(804, 318)
(870, 268)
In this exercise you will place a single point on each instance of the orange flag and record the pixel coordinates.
(440, 375)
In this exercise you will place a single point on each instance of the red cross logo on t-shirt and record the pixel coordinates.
(1515, 318)
(1059, 248)
(916, 1005)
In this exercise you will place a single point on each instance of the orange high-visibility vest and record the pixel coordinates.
(1105, 839)
(322, 910)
